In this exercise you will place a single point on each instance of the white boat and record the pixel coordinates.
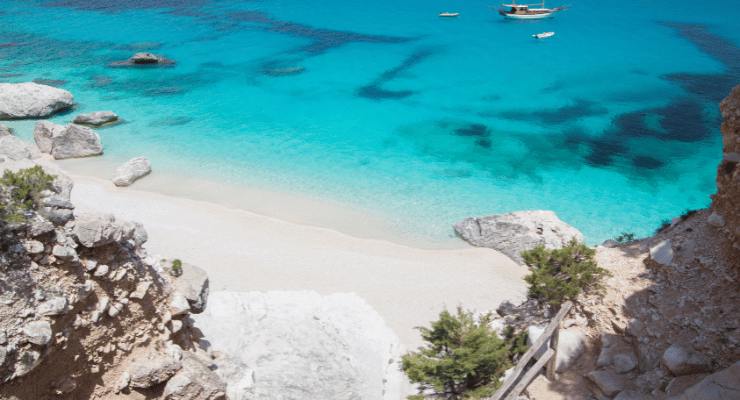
(527, 11)
(543, 35)
(449, 14)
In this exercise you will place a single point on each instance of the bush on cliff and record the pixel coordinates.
(562, 274)
(20, 192)
(463, 358)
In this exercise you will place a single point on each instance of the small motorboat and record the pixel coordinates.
(527, 11)
(447, 14)
(543, 35)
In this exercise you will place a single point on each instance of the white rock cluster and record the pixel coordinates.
(32, 100)
(301, 345)
(516, 232)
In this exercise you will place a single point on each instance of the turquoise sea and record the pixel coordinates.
(613, 123)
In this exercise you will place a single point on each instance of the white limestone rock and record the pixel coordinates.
(131, 171)
(609, 382)
(150, 371)
(516, 232)
(95, 229)
(55, 305)
(179, 304)
(722, 385)
(76, 141)
(571, 344)
(14, 149)
(96, 118)
(662, 253)
(194, 381)
(32, 100)
(301, 345)
(43, 133)
(38, 332)
(193, 284)
(683, 361)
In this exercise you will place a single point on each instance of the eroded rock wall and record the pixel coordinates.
(726, 203)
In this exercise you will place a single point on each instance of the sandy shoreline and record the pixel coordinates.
(287, 206)
(245, 251)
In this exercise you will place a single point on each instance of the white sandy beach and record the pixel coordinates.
(246, 251)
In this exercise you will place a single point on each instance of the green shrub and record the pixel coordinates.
(625, 237)
(176, 267)
(562, 274)
(664, 224)
(462, 358)
(20, 192)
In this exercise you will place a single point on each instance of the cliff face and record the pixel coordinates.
(726, 203)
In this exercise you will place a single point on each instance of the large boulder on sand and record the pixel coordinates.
(32, 100)
(301, 345)
(14, 149)
(94, 230)
(43, 134)
(131, 171)
(76, 141)
(516, 232)
(96, 118)
(193, 285)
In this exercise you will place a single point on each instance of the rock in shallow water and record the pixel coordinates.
(96, 118)
(516, 232)
(131, 171)
(32, 100)
(76, 141)
(301, 345)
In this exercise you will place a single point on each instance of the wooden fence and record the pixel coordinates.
(515, 384)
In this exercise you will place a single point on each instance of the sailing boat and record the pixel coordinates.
(527, 11)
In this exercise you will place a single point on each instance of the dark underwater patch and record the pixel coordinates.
(50, 82)
(170, 121)
(473, 130)
(322, 39)
(115, 6)
(712, 87)
(647, 162)
(569, 113)
(374, 89)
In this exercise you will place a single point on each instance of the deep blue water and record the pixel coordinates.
(612, 123)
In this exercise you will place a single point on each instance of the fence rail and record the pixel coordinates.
(515, 384)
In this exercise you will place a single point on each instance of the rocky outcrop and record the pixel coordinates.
(143, 60)
(131, 171)
(32, 100)
(193, 284)
(722, 385)
(96, 118)
(14, 149)
(516, 232)
(726, 202)
(43, 134)
(85, 311)
(75, 141)
(301, 345)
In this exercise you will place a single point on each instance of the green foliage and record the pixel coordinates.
(664, 224)
(463, 358)
(687, 213)
(515, 343)
(20, 192)
(562, 274)
(625, 237)
(176, 267)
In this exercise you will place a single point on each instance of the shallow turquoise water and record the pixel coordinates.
(612, 123)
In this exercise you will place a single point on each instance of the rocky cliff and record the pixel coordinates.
(85, 312)
(726, 203)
